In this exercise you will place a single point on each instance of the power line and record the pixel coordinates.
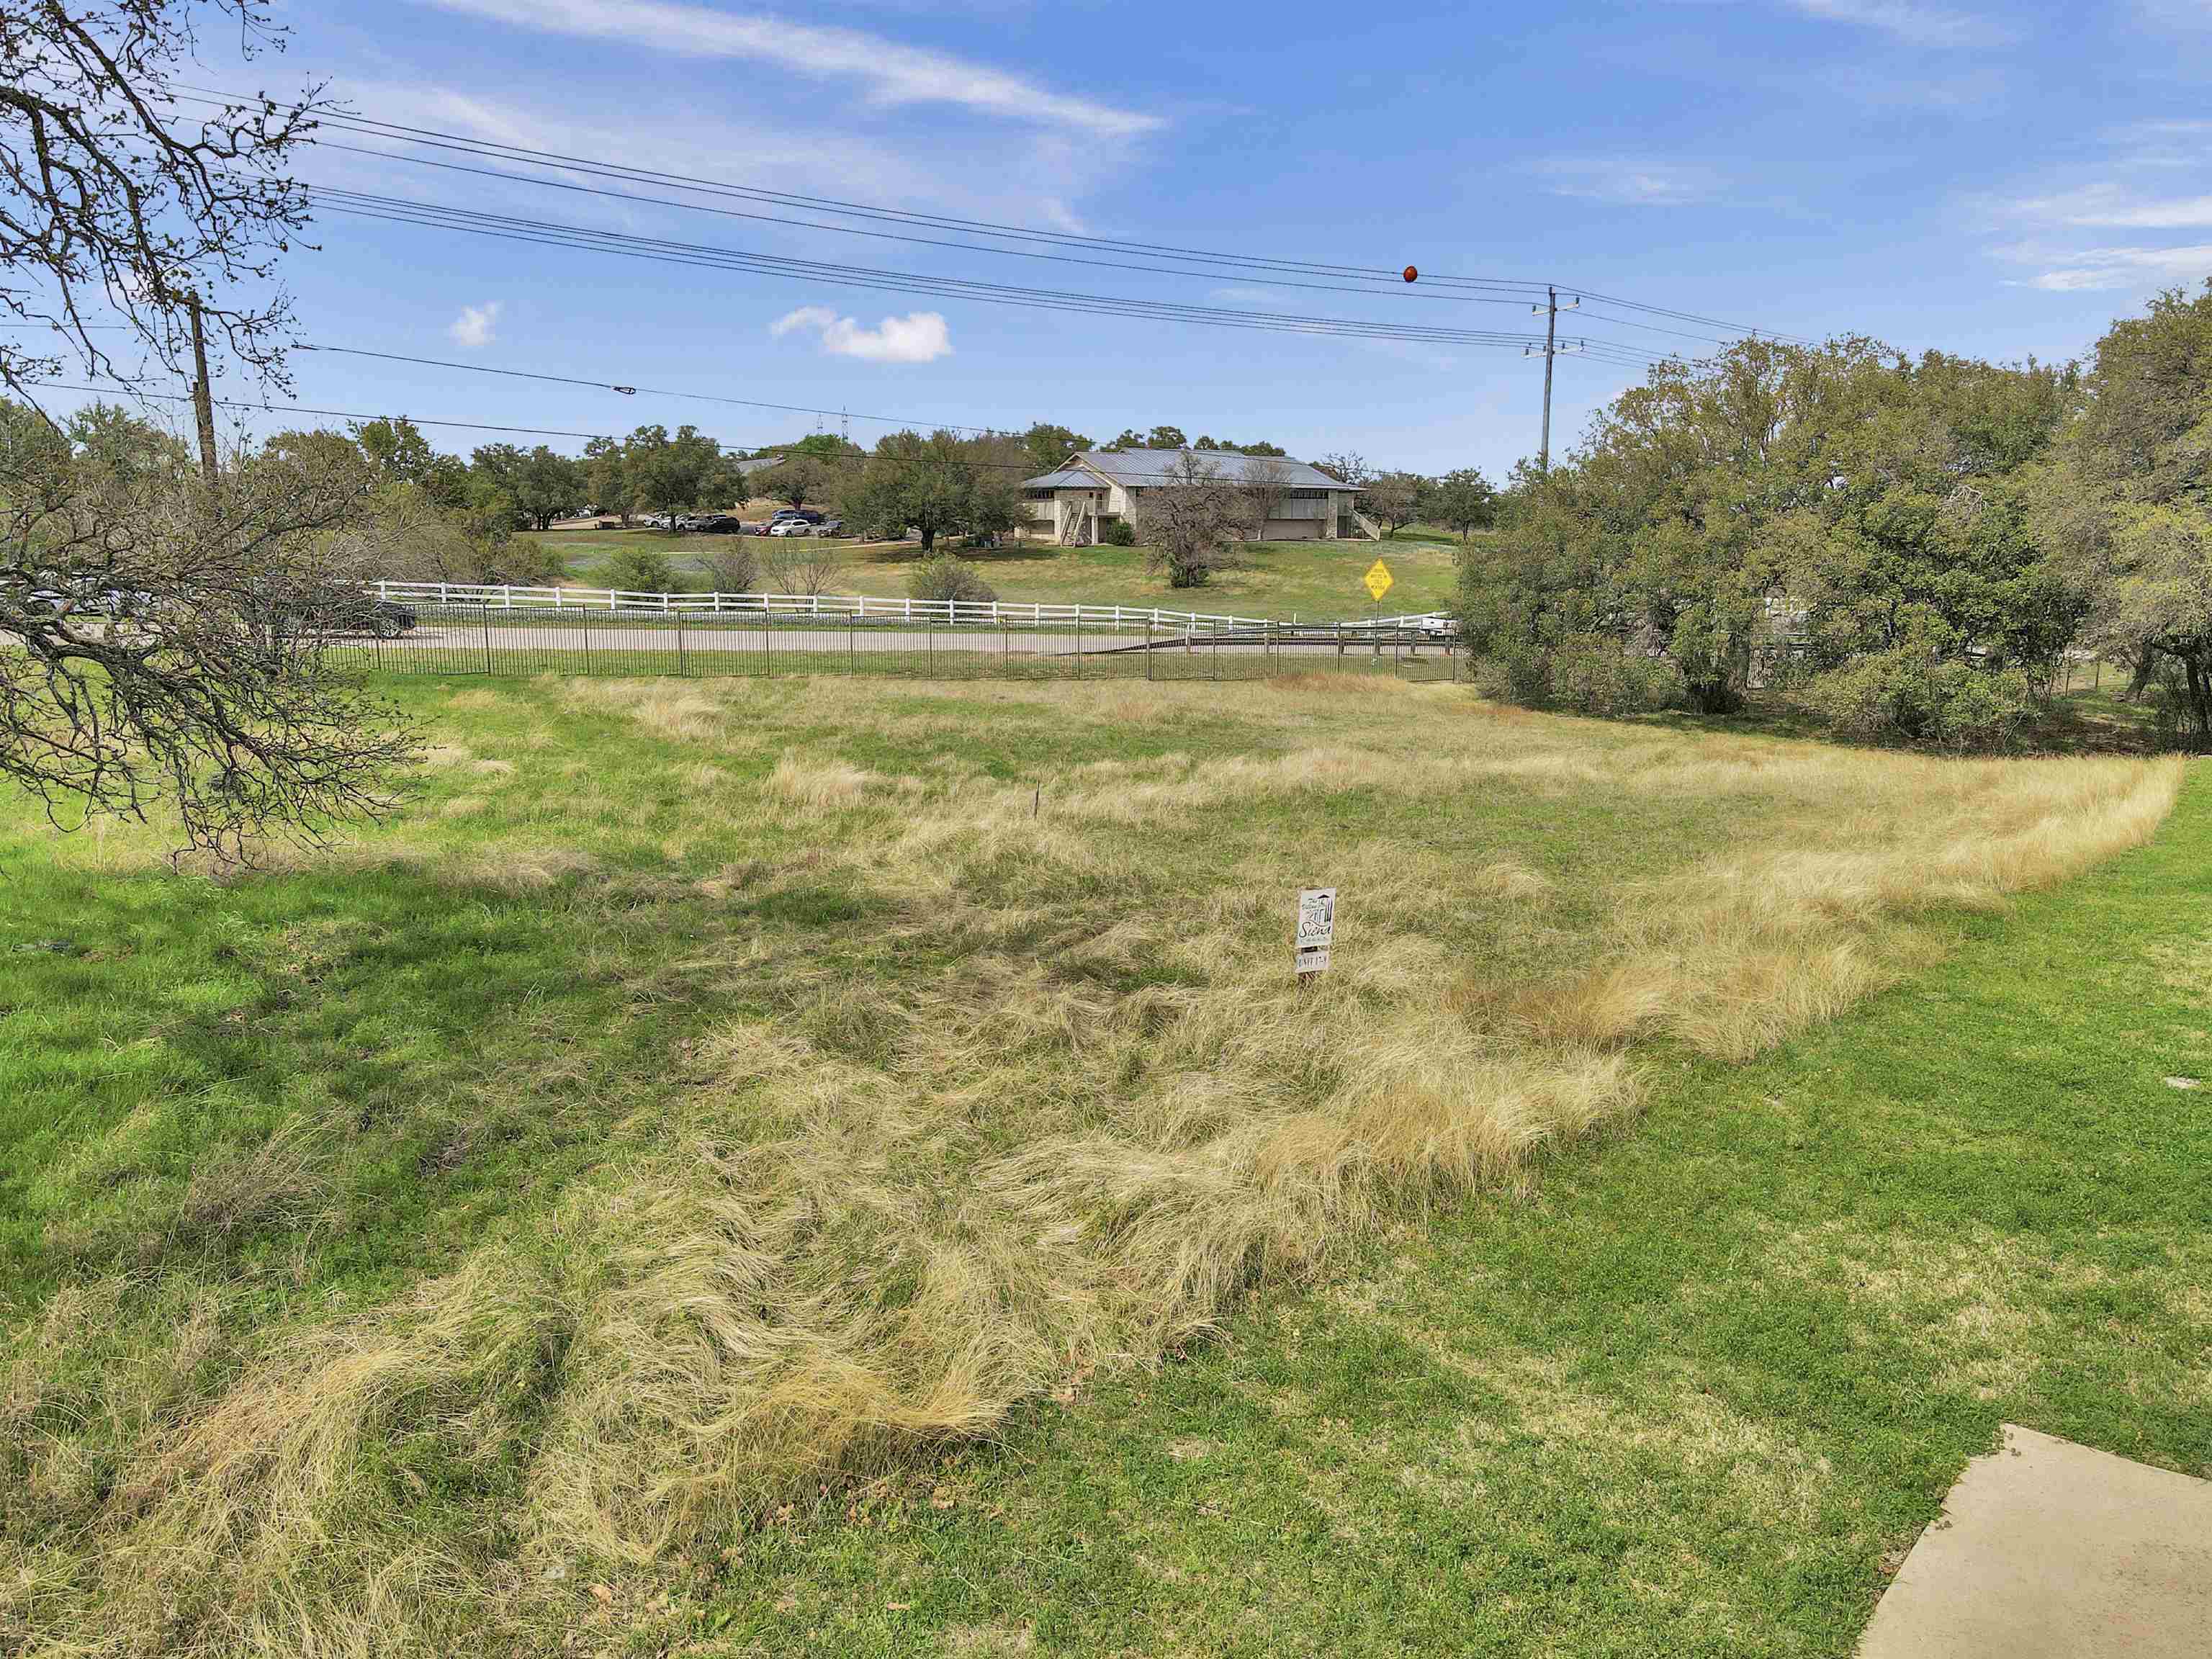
(1272, 279)
(652, 391)
(338, 414)
(1473, 288)
(439, 215)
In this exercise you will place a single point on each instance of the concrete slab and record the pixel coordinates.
(2048, 1550)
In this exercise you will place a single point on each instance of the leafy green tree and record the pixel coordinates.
(668, 474)
(445, 480)
(2130, 509)
(607, 477)
(396, 449)
(1395, 498)
(936, 485)
(1046, 446)
(1463, 500)
(1166, 437)
(546, 485)
(803, 476)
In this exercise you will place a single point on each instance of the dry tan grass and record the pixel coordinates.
(910, 1200)
(1734, 957)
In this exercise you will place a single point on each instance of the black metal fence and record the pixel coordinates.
(515, 641)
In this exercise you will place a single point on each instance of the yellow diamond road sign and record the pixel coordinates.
(1378, 580)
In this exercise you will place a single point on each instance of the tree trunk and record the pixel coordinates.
(2146, 667)
(928, 539)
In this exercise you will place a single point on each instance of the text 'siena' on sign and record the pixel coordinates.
(1316, 928)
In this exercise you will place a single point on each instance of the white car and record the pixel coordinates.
(791, 527)
(1440, 628)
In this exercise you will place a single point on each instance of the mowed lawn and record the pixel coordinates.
(840, 1166)
(1308, 580)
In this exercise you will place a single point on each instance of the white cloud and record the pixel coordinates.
(1633, 181)
(886, 71)
(1915, 24)
(919, 336)
(2093, 268)
(473, 327)
(2103, 207)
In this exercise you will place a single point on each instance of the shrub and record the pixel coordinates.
(640, 570)
(1593, 674)
(941, 576)
(1119, 533)
(1908, 695)
(1589, 674)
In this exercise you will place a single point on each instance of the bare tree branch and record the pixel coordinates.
(112, 202)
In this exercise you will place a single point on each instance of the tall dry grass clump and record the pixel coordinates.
(1734, 957)
(1053, 1104)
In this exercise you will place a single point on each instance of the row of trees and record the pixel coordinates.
(1461, 500)
(1911, 547)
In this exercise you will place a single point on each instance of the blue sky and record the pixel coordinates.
(1998, 182)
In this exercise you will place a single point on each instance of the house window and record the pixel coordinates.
(1039, 495)
(1308, 494)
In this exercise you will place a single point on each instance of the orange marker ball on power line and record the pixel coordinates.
(1411, 273)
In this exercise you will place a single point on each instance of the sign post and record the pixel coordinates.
(1378, 580)
(1316, 932)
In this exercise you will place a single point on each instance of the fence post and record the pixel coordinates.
(767, 642)
(683, 664)
(1148, 647)
(1078, 642)
(484, 610)
(1217, 650)
(587, 638)
(929, 633)
(851, 646)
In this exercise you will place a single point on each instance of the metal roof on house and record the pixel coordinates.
(1144, 467)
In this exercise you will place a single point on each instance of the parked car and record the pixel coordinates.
(388, 619)
(830, 527)
(792, 527)
(806, 512)
(719, 524)
(1439, 627)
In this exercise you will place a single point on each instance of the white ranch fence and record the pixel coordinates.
(988, 613)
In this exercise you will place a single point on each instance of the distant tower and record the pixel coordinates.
(844, 426)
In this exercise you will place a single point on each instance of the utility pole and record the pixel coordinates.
(1551, 348)
(202, 396)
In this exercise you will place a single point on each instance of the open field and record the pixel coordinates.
(1694, 1394)
(1309, 579)
(714, 1103)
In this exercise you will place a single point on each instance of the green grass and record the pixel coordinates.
(1695, 1393)
(1312, 581)
(443, 1097)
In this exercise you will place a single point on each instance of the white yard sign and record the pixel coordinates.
(1316, 928)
